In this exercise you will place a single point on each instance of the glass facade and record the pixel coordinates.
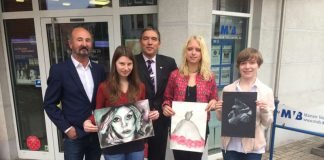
(73, 4)
(242, 6)
(229, 37)
(16, 5)
(125, 3)
(132, 26)
(27, 94)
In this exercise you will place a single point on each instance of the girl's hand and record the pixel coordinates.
(154, 115)
(263, 105)
(211, 105)
(219, 105)
(168, 111)
(89, 127)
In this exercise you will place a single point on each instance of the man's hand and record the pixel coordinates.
(72, 134)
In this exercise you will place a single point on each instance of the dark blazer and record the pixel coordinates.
(64, 86)
(164, 66)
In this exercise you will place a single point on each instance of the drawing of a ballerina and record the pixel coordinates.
(187, 135)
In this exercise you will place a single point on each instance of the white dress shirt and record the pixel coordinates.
(85, 77)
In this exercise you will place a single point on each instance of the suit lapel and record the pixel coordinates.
(95, 78)
(159, 68)
(76, 78)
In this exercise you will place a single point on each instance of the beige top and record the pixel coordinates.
(264, 118)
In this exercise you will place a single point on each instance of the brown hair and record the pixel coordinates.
(133, 78)
(248, 54)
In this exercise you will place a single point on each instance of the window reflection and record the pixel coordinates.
(24, 69)
(132, 26)
(125, 3)
(232, 5)
(15, 5)
(73, 4)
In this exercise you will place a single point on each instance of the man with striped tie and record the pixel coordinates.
(154, 70)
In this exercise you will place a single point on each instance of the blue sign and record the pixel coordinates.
(228, 30)
(37, 83)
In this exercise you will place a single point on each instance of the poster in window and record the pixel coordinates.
(239, 114)
(215, 70)
(134, 45)
(188, 126)
(25, 59)
(225, 75)
(215, 55)
(226, 54)
(125, 123)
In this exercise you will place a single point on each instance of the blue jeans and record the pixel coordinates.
(87, 146)
(233, 155)
(139, 155)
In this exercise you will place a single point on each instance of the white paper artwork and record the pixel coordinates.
(188, 126)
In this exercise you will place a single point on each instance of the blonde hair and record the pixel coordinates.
(204, 66)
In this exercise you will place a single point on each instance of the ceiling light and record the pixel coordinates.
(20, 0)
(99, 2)
(66, 4)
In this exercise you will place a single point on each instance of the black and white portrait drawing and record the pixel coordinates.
(122, 124)
(239, 114)
(188, 126)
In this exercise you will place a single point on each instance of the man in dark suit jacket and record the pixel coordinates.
(161, 67)
(70, 97)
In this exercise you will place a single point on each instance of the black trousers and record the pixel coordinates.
(157, 144)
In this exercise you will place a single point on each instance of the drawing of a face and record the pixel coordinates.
(123, 122)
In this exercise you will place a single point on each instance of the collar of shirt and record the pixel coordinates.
(77, 64)
(153, 59)
(253, 88)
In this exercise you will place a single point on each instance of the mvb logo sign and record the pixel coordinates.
(288, 113)
(228, 30)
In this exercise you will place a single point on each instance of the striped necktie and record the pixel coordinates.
(149, 68)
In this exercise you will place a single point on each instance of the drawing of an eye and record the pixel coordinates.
(116, 119)
(129, 116)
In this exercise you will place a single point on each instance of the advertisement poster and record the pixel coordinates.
(188, 126)
(226, 54)
(239, 114)
(225, 76)
(301, 119)
(25, 59)
(122, 124)
(215, 54)
(215, 70)
(222, 53)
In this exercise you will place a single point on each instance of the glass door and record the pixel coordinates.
(55, 34)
